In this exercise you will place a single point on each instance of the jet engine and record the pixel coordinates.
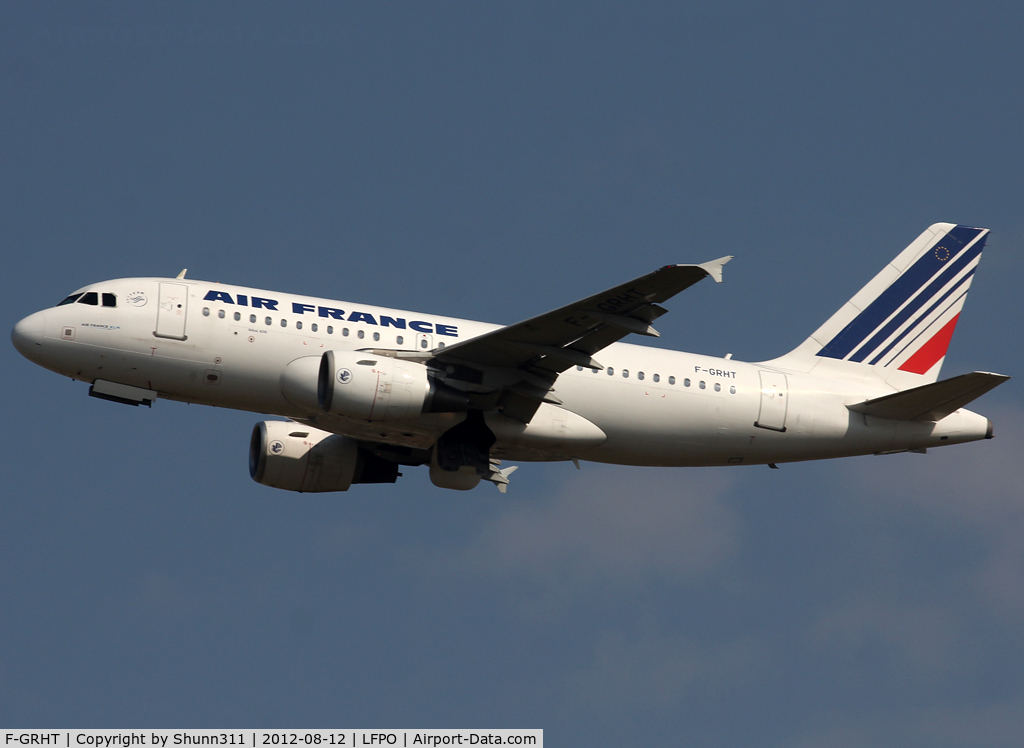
(288, 455)
(362, 385)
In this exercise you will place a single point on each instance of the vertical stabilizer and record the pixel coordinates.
(899, 325)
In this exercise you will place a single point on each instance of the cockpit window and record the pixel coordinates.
(91, 298)
(109, 299)
(70, 299)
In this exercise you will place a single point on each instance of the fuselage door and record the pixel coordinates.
(170, 316)
(774, 400)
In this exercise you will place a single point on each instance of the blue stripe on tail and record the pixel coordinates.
(896, 341)
(903, 288)
(951, 271)
(928, 330)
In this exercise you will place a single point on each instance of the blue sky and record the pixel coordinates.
(493, 162)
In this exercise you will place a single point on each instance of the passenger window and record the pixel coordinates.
(400, 340)
(314, 327)
(92, 299)
(671, 380)
(298, 325)
(376, 336)
(220, 313)
(109, 299)
(284, 323)
(625, 373)
(639, 375)
(252, 318)
(657, 378)
(70, 299)
(344, 331)
(611, 371)
(330, 329)
(441, 344)
(238, 316)
(732, 390)
(360, 334)
(718, 387)
(423, 344)
(206, 311)
(579, 368)
(269, 322)
(703, 386)
(686, 382)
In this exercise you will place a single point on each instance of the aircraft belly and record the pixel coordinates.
(418, 433)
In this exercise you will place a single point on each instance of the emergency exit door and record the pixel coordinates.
(172, 311)
(774, 401)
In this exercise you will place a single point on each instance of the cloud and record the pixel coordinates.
(992, 725)
(974, 493)
(923, 637)
(654, 669)
(614, 528)
(929, 575)
(877, 602)
(976, 485)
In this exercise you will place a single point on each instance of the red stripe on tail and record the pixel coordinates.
(929, 353)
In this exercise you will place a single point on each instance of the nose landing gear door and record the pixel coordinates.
(172, 311)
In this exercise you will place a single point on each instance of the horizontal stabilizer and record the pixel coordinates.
(931, 402)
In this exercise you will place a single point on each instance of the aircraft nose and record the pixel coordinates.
(27, 335)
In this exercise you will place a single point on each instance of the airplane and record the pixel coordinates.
(365, 390)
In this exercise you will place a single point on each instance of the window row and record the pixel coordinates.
(313, 327)
(657, 378)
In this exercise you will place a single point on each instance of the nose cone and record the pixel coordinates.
(27, 335)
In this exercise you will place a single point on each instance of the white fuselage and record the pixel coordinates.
(229, 346)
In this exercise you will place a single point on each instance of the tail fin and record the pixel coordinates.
(899, 325)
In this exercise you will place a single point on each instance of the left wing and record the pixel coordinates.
(514, 367)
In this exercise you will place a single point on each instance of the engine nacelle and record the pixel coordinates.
(288, 455)
(371, 388)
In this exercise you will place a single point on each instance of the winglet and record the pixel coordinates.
(714, 268)
(181, 275)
